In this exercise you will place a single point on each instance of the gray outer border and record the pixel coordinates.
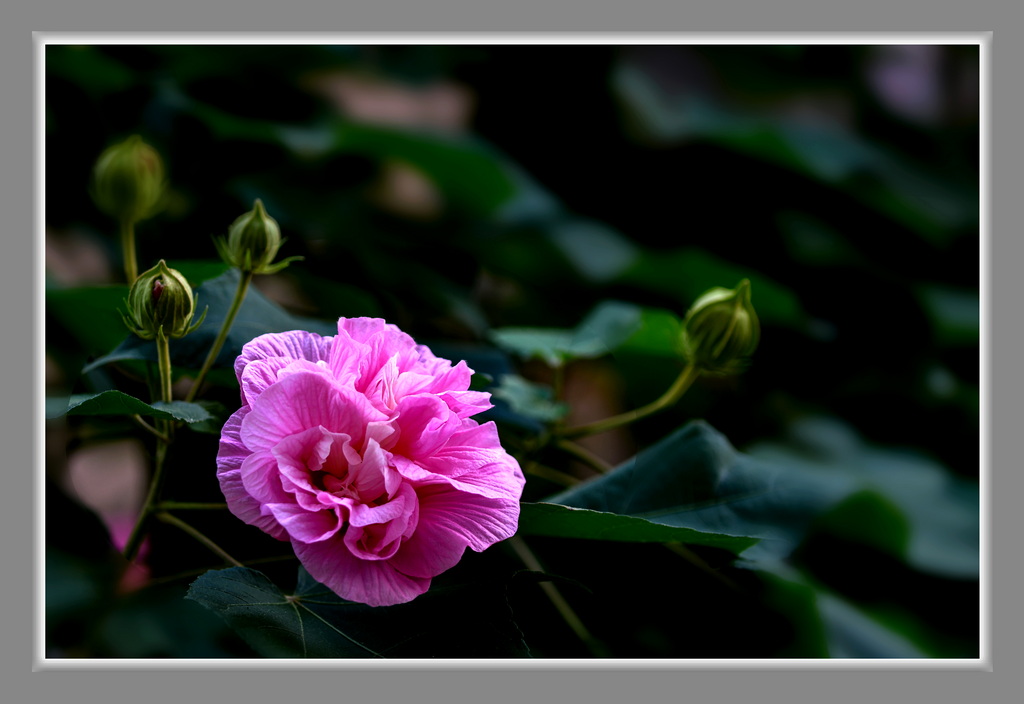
(562, 17)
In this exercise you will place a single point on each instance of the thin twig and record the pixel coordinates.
(187, 505)
(175, 521)
(584, 455)
(149, 428)
(551, 474)
(695, 560)
(524, 553)
(675, 392)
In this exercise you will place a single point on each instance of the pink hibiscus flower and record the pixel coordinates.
(360, 450)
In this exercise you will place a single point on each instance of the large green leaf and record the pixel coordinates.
(118, 403)
(471, 621)
(560, 521)
(258, 315)
(695, 479)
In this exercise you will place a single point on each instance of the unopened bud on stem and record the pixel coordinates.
(252, 243)
(128, 180)
(161, 299)
(721, 330)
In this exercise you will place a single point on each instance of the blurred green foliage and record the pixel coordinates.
(488, 199)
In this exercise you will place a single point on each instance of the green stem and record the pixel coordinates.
(163, 356)
(187, 505)
(217, 549)
(695, 560)
(552, 475)
(164, 432)
(670, 397)
(149, 428)
(584, 455)
(138, 531)
(131, 269)
(525, 554)
(236, 304)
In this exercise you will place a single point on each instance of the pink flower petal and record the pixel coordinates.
(296, 344)
(373, 582)
(449, 522)
(301, 401)
(307, 526)
(229, 462)
(425, 424)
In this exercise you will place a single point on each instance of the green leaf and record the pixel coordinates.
(118, 403)
(955, 313)
(257, 315)
(198, 271)
(471, 621)
(91, 314)
(606, 327)
(939, 512)
(830, 626)
(529, 399)
(560, 521)
(695, 479)
(658, 335)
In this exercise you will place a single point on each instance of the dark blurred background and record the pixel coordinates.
(454, 190)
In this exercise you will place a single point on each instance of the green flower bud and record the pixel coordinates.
(721, 330)
(161, 299)
(252, 242)
(128, 180)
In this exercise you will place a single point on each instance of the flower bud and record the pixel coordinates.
(721, 330)
(252, 242)
(128, 180)
(161, 299)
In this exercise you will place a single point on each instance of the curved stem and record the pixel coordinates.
(670, 397)
(188, 505)
(149, 428)
(552, 475)
(236, 304)
(584, 455)
(217, 549)
(525, 554)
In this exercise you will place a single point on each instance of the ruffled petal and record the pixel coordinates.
(450, 521)
(373, 582)
(306, 400)
(295, 344)
(425, 424)
(230, 457)
(307, 526)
